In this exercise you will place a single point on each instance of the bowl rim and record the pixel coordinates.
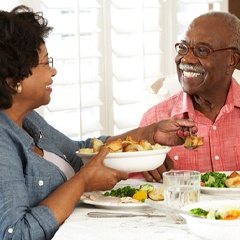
(214, 204)
(164, 150)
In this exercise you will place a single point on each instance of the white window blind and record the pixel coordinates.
(106, 53)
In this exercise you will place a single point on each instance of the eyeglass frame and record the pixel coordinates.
(49, 62)
(195, 46)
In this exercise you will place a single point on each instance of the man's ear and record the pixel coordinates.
(234, 60)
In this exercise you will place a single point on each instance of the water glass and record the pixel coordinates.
(181, 187)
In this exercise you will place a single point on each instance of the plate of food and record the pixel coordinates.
(128, 155)
(217, 219)
(125, 197)
(220, 183)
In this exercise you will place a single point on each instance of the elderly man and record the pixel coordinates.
(210, 96)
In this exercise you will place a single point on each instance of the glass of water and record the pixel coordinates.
(181, 187)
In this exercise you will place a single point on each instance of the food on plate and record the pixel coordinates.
(119, 145)
(157, 194)
(97, 196)
(141, 193)
(199, 212)
(222, 213)
(146, 187)
(233, 181)
(193, 141)
(220, 180)
(213, 179)
(126, 191)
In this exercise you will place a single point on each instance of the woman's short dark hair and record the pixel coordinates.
(22, 32)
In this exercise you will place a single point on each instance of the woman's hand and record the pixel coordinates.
(97, 176)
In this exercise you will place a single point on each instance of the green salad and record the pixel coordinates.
(214, 179)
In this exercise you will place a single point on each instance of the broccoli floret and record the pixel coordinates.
(121, 192)
(146, 187)
(131, 192)
(199, 212)
(214, 179)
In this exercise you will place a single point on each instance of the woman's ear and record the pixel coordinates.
(16, 87)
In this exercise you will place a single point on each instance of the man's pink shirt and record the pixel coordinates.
(221, 149)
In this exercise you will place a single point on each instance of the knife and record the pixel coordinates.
(120, 214)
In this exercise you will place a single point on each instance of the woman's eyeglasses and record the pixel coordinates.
(198, 51)
(49, 62)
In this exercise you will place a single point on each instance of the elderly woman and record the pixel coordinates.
(41, 177)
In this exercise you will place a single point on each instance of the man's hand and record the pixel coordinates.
(173, 131)
(156, 175)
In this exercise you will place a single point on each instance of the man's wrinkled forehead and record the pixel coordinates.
(206, 29)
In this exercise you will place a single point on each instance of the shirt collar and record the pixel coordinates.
(184, 105)
(233, 97)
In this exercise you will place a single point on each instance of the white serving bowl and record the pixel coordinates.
(132, 161)
(213, 229)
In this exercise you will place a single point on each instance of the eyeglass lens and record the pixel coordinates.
(198, 51)
(50, 62)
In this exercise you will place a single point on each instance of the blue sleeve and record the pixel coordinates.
(18, 219)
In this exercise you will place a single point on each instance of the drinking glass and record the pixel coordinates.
(180, 188)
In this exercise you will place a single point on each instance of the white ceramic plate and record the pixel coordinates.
(132, 161)
(213, 229)
(221, 191)
(155, 204)
(113, 205)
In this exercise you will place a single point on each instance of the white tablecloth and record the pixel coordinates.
(80, 226)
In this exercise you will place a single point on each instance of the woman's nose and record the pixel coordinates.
(53, 71)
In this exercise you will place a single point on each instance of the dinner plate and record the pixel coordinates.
(113, 205)
(221, 191)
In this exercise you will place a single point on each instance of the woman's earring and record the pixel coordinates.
(18, 88)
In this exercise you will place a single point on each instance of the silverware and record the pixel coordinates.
(120, 214)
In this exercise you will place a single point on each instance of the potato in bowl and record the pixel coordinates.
(140, 156)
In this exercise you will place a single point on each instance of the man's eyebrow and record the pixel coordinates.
(199, 43)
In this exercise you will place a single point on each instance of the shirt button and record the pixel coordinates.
(176, 157)
(217, 157)
(40, 182)
(10, 230)
(214, 128)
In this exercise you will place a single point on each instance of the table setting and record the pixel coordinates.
(82, 226)
(105, 215)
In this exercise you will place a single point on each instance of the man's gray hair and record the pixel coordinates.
(229, 21)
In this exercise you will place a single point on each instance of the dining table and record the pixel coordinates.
(79, 225)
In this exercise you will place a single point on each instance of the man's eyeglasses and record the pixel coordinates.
(198, 51)
(49, 62)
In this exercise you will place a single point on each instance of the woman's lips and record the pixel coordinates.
(49, 87)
